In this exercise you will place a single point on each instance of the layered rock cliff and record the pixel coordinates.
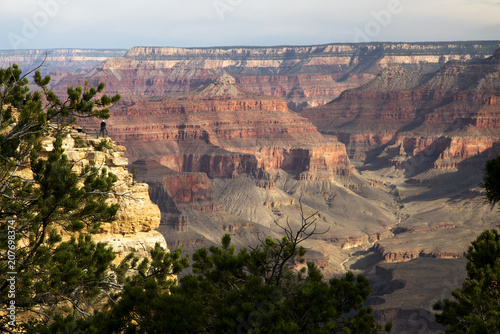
(191, 217)
(412, 119)
(59, 63)
(223, 131)
(303, 75)
(222, 160)
(138, 217)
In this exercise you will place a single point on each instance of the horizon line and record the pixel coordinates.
(258, 46)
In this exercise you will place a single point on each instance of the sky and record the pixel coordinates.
(122, 24)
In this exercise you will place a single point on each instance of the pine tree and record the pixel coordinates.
(475, 307)
(255, 290)
(491, 180)
(43, 199)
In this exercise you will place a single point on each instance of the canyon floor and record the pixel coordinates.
(437, 214)
(408, 235)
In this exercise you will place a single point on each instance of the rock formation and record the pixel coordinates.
(445, 117)
(425, 138)
(136, 220)
(303, 75)
(191, 217)
(223, 131)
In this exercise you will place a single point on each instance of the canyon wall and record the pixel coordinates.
(408, 118)
(59, 63)
(223, 131)
(304, 76)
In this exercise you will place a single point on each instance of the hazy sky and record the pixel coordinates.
(30, 24)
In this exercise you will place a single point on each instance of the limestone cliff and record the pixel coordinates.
(137, 218)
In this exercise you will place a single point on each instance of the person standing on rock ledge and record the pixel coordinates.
(103, 132)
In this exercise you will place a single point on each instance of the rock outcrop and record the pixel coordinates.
(138, 217)
(191, 217)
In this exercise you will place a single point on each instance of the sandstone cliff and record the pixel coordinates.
(136, 220)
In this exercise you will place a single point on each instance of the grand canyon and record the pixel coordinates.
(384, 143)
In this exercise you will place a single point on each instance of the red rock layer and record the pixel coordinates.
(176, 192)
(303, 76)
(225, 132)
(408, 255)
(448, 116)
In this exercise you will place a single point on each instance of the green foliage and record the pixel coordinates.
(250, 291)
(491, 180)
(476, 306)
(134, 173)
(42, 200)
(137, 281)
(104, 144)
(80, 143)
(74, 274)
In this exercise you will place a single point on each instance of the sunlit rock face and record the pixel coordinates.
(449, 116)
(134, 229)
